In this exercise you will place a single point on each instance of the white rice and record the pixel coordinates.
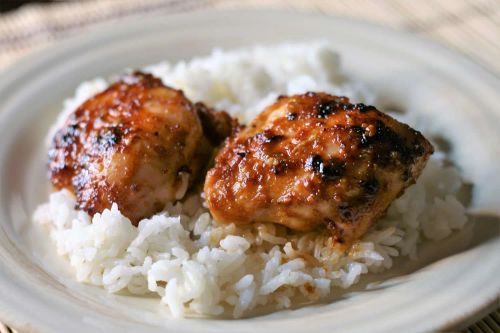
(196, 265)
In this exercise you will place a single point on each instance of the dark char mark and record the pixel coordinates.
(109, 138)
(361, 132)
(364, 108)
(280, 168)
(325, 107)
(185, 169)
(265, 137)
(332, 171)
(347, 107)
(345, 211)
(69, 135)
(314, 163)
(371, 186)
(391, 146)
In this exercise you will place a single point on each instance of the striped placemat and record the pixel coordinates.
(489, 324)
(469, 26)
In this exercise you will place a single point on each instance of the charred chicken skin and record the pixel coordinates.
(139, 144)
(315, 161)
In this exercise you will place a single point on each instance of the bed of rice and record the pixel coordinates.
(196, 265)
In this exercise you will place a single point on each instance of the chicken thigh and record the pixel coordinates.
(315, 161)
(139, 144)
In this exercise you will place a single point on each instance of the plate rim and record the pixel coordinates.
(51, 53)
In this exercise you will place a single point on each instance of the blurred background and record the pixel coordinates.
(471, 27)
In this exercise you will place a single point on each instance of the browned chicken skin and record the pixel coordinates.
(315, 160)
(138, 144)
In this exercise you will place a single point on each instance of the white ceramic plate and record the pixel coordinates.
(453, 282)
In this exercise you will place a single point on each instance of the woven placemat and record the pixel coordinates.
(472, 27)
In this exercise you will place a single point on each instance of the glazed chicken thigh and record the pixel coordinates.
(139, 144)
(315, 161)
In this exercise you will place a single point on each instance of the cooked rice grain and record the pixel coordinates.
(195, 264)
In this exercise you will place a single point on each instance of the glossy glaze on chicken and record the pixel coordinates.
(139, 144)
(315, 161)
